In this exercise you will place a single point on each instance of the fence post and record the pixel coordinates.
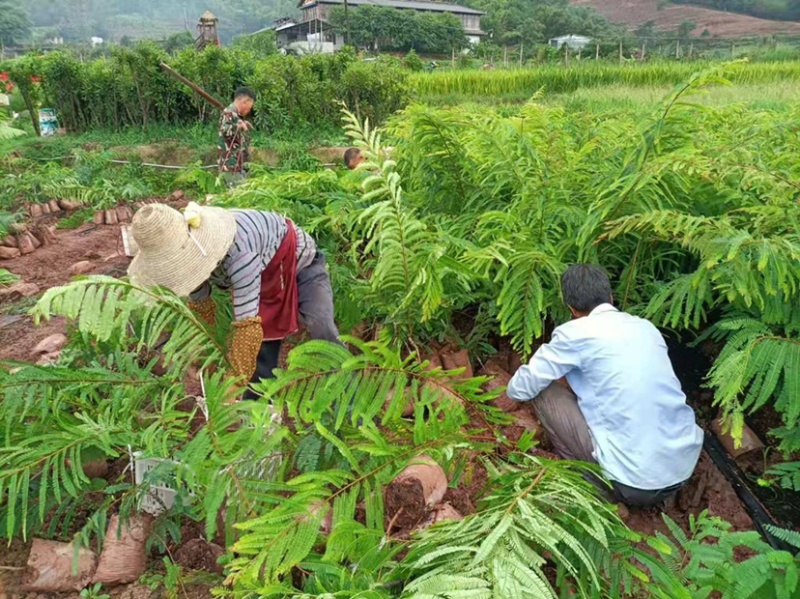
(644, 49)
(678, 49)
(691, 50)
(454, 58)
(505, 56)
(597, 51)
(521, 45)
(566, 55)
(620, 50)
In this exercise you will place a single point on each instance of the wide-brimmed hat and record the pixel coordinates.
(179, 251)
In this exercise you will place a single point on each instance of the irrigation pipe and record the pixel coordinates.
(761, 517)
(153, 165)
(164, 166)
(150, 164)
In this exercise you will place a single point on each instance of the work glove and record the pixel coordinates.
(206, 309)
(243, 347)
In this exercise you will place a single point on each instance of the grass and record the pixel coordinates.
(201, 137)
(7, 278)
(779, 96)
(516, 85)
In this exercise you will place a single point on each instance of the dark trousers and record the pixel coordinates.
(557, 409)
(315, 304)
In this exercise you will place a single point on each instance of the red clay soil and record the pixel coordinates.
(49, 267)
(707, 489)
(719, 23)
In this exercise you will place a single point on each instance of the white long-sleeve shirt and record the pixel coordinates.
(644, 434)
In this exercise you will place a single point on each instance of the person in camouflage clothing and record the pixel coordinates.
(234, 136)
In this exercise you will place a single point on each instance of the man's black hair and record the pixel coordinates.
(350, 155)
(585, 286)
(244, 92)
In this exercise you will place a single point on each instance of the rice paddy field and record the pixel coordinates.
(639, 83)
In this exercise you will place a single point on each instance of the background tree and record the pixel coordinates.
(532, 22)
(14, 24)
(383, 28)
(261, 44)
(685, 30)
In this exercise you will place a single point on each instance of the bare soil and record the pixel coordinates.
(49, 267)
(719, 24)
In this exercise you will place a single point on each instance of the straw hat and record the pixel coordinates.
(179, 251)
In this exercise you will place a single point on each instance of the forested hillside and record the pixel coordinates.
(113, 19)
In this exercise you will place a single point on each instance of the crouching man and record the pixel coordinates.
(620, 405)
(273, 268)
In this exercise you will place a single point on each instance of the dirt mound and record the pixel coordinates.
(199, 554)
(718, 23)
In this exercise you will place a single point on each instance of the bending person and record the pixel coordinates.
(627, 412)
(274, 269)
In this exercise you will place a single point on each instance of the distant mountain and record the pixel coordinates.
(113, 19)
(718, 23)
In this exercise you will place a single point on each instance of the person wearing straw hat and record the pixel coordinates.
(273, 268)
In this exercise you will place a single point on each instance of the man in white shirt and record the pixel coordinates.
(605, 392)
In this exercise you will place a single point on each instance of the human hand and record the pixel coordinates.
(244, 126)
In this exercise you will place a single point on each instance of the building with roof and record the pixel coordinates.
(207, 31)
(573, 42)
(314, 33)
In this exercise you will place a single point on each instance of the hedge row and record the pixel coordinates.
(129, 89)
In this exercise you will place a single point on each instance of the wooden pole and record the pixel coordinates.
(196, 88)
(566, 55)
(644, 49)
(691, 50)
(678, 49)
(520, 54)
(620, 50)
(597, 51)
(505, 56)
(454, 57)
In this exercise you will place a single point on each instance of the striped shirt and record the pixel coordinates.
(258, 237)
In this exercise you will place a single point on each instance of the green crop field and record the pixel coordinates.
(681, 179)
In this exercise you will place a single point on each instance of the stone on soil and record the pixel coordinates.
(413, 493)
(25, 244)
(123, 559)
(19, 290)
(441, 513)
(81, 268)
(451, 360)
(49, 567)
(501, 379)
(49, 345)
(9, 253)
(750, 441)
(69, 204)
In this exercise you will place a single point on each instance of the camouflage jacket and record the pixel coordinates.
(233, 146)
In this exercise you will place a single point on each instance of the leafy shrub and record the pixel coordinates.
(705, 560)
(129, 88)
(412, 61)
